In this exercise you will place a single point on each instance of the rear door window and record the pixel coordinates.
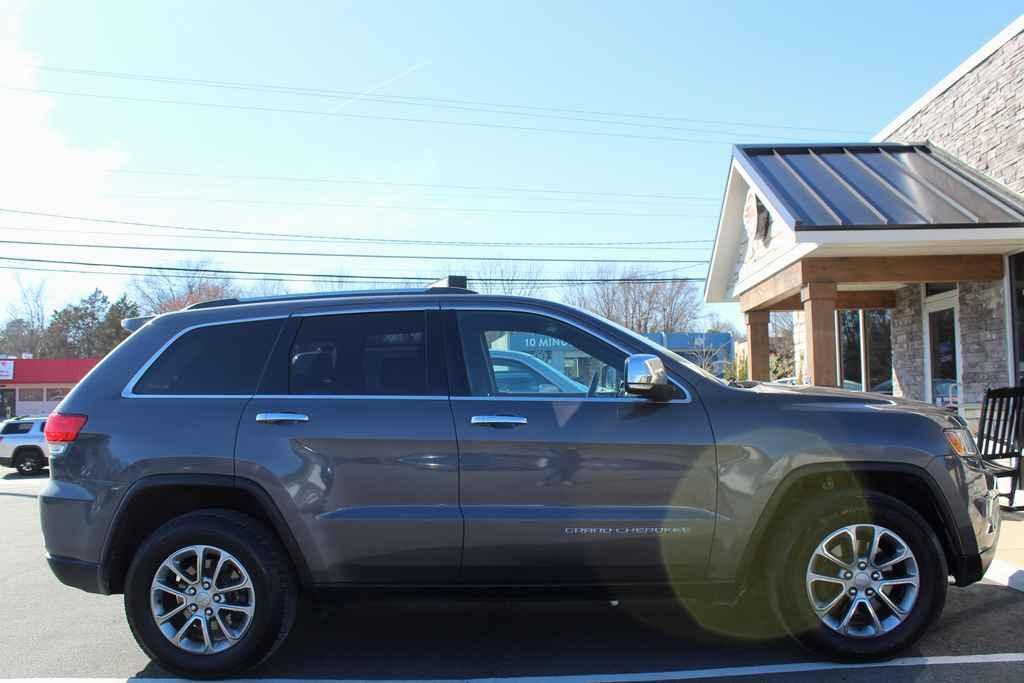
(361, 354)
(215, 360)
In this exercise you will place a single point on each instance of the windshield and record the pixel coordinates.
(661, 349)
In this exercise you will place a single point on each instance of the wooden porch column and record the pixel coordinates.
(758, 352)
(819, 300)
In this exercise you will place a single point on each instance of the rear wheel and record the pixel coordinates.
(210, 594)
(29, 462)
(858, 576)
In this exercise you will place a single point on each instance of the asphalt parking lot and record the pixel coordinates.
(50, 631)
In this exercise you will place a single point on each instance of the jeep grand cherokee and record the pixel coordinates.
(226, 456)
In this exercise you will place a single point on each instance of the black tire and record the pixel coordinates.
(29, 461)
(800, 536)
(267, 563)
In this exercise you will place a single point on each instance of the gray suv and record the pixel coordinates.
(227, 456)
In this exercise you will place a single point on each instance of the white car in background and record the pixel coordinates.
(22, 444)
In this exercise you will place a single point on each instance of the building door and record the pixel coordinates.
(942, 349)
(7, 403)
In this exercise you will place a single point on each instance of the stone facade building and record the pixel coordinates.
(977, 115)
(901, 258)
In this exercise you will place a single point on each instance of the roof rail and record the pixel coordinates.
(452, 284)
(132, 324)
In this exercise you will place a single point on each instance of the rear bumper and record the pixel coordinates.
(85, 576)
(6, 462)
(73, 533)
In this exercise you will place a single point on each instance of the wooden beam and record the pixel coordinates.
(758, 346)
(844, 300)
(784, 285)
(819, 299)
(779, 286)
(866, 299)
(944, 268)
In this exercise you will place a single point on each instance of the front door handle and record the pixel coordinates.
(280, 418)
(497, 420)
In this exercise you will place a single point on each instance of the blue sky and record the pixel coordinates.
(814, 71)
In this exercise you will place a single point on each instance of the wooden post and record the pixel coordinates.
(758, 351)
(819, 299)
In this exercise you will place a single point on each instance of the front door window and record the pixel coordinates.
(519, 354)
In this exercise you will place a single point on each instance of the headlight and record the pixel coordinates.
(962, 443)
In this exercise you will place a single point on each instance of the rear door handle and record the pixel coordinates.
(497, 420)
(280, 418)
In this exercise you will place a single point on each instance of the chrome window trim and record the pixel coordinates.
(484, 306)
(554, 398)
(128, 391)
(129, 388)
(354, 397)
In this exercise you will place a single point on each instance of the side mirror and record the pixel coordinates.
(645, 376)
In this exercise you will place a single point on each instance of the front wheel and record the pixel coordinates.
(861, 576)
(210, 593)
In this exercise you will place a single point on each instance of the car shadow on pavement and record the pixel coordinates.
(15, 476)
(505, 639)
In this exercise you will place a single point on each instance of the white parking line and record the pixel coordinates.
(686, 675)
(1005, 574)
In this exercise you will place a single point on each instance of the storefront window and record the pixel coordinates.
(849, 350)
(56, 393)
(878, 324)
(30, 394)
(1017, 282)
(933, 288)
(869, 357)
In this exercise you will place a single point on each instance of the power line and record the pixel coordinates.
(399, 207)
(439, 186)
(172, 275)
(389, 257)
(256, 238)
(295, 280)
(477, 109)
(47, 230)
(407, 99)
(376, 117)
(332, 238)
(337, 277)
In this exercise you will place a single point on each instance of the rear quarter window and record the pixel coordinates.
(215, 360)
(16, 428)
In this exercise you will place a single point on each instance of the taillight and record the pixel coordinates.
(62, 429)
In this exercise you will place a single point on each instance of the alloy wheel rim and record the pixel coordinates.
(202, 599)
(862, 580)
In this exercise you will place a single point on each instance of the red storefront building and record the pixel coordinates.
(34, 386)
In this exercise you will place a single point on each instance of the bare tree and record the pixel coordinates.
(781, 334)
(511, 278)
(709, 357)
(782, 324)
(265, 288)
(665, 305)
(718, 323)
(160, 291)
(25, 328)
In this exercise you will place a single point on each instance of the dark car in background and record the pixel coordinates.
(227, 456)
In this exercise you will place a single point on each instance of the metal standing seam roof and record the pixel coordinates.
(876, 186)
